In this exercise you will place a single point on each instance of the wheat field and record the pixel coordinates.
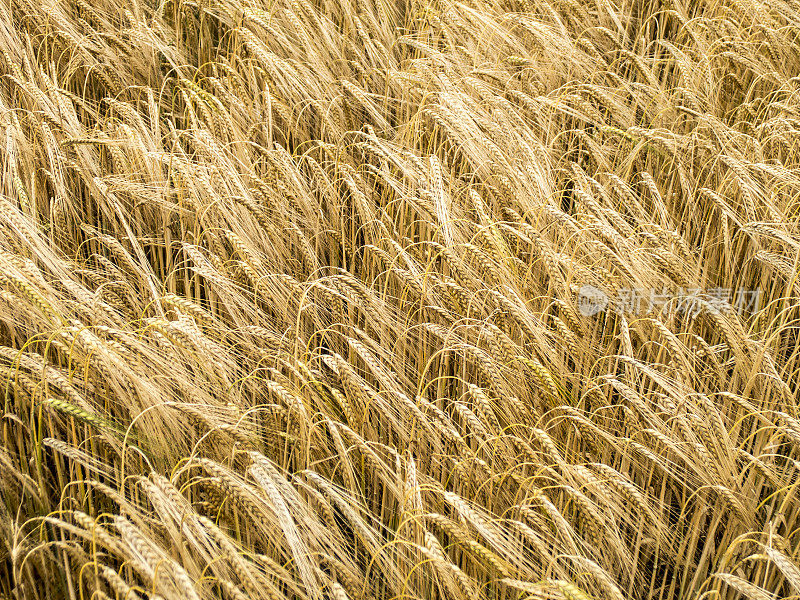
(399, 299)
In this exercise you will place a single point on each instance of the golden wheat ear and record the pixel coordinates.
(399, 300)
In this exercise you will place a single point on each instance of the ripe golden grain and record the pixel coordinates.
(289, 299)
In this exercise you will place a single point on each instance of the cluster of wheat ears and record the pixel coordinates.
(290, 299)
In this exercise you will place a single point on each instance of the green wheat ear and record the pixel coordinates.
(79, 413)
(89, 418)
